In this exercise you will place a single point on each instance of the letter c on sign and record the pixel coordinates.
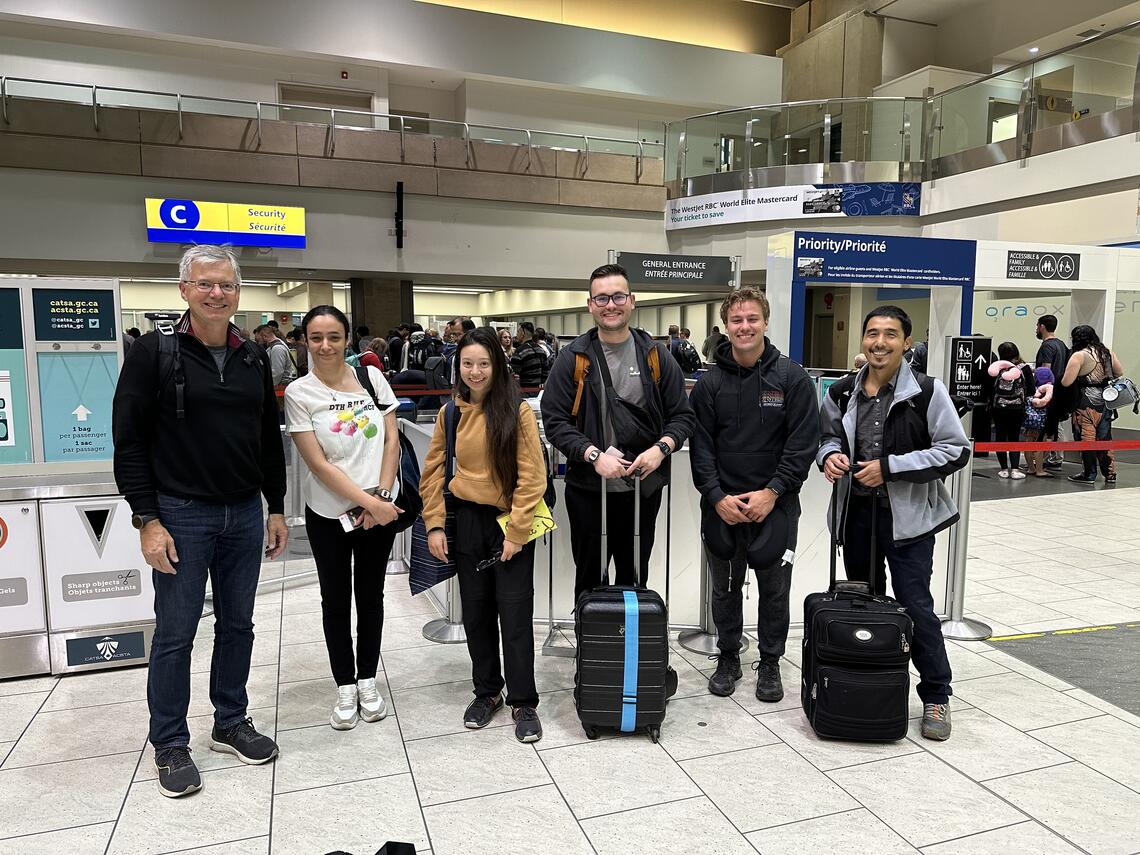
(179, 214)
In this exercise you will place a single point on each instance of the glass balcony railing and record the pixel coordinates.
(1076, 95)
(96, 97)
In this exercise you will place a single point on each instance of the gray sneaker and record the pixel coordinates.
(936, 721)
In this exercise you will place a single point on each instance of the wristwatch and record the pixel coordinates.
(386, 495)
(664, 446)
(139, 520)
(593, 455)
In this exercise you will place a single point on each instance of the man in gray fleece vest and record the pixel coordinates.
(890, 436)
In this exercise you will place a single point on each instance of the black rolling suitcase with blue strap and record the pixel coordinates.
(622, 675)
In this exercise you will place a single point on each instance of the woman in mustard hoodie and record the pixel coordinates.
(498, 469)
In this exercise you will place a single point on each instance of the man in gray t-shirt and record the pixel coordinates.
(644, 376)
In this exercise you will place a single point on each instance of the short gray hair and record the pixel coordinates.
(208, 253)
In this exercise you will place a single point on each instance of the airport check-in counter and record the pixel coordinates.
(676, 567)
(75, 592)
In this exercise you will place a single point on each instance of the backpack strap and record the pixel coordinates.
(451, 428)
(581, 368)
(170, 366)
(654, 360)
(366, 383)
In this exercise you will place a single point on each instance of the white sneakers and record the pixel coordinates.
(371, 704)
(344, 715)
(353, 703)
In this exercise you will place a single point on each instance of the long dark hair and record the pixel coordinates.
(1008, 351)
(500, 407)
(1084, 337)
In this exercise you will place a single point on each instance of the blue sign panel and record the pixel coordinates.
(831, 257)
(76, 392)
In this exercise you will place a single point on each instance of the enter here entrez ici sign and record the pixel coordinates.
(188, 221)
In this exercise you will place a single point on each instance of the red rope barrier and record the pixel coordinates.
(1098, 445)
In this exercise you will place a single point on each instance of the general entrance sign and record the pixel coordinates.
(970, 360)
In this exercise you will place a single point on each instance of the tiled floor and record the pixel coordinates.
(1034, 766)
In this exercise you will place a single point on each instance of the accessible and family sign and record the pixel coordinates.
(187, 221)
(804, 202)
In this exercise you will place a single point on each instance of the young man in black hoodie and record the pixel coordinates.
(648, 418)
(756, 437)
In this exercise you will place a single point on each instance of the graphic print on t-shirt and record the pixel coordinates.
(353, 419)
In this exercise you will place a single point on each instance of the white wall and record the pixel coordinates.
(906, 46)
(544, 109)
(437, 103)
(915, 83)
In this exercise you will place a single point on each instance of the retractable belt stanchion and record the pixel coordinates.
(550, 647)
(448, 629)
(296, 515)
(958, 627)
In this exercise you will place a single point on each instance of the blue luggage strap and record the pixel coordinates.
(629, 682)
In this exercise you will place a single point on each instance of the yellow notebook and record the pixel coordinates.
(543, 521)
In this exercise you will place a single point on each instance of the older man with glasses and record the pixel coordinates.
(648, 417)
(196, 447)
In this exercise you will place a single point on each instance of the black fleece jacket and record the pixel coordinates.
(668, 402)
(757, 426)
(226, 449)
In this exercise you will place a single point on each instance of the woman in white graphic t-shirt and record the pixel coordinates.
(351, 446)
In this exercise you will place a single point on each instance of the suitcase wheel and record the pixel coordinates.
(591, 732)
(654, 735)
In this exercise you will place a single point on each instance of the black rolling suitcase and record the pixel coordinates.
(623, 650)
(856, 657)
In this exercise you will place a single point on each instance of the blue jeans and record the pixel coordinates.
(911, 568)
(223, 542)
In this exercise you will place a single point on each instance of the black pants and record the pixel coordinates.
(982, 421)
(347, 563)
(773, 585)
(1007, 428)
(911, 568)
(585, 511)
(500, 597)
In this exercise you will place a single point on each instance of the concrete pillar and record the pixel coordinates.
(1097, 309)
(318, 294)
(380, 304)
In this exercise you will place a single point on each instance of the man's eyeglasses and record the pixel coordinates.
(603, 300)
(206, 287)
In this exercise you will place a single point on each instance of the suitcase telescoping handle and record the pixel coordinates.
(835, 534)
(636, 514)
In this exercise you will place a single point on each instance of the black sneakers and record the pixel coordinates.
(245, 742)
(1083, 479)
(769, 688)
(723, 682)
(527, 726)
(481, 710)
(177, 774)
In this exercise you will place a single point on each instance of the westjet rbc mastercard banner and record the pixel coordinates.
(186, 221)
(805, 202)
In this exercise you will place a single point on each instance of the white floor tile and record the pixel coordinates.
(76, 734)
(474, 763)
(27, 685)
(17, 712)
(319, 756)
(84, 840)
(856, 832)
(1106, 744)
(962, 807)
(1094, 611)
(77, 792)
(690, 826)
(98, 687)
(1011, 610)
(763, 787)
(1034, 589)
(983, 747)
(606, 776)
(792, 727)
(1024, 837)
(1083, 806)
(707, 724)
(250, 846)
(1025, 669)
(527, 820)
(1022, 702)
(438, 710)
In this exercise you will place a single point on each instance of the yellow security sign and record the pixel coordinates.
(188, 221)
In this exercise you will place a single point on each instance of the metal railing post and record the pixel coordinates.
(640, 159)
(681, 150)
(958, 627)
(332, 133)
(529, 149)
(750, 180)
(4, 99)
(95, 106)
(178, 105)
(467, 142)
(259, 124)
(826, 153)
(586, 164)
(403, 149)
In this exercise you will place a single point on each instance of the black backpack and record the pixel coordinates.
(688, 357)
(1010, 394)
(421, 350)
(170, 364)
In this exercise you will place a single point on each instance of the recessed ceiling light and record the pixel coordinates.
(1034, 50)
(802, 151)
